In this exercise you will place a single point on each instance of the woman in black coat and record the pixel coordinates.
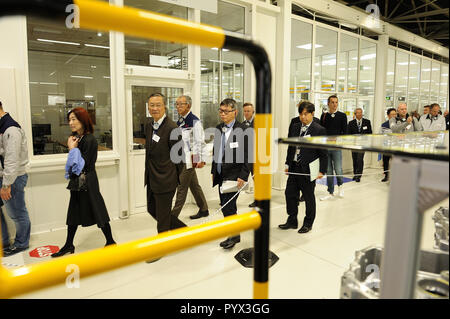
(86, 208)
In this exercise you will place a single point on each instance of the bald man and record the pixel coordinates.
(404, 123)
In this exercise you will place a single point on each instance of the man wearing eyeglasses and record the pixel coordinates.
(161, 171)
(194, 148)
(230, 161)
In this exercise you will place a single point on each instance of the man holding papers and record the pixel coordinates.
(301, 160)
(230, 167)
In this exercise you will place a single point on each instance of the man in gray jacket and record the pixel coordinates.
(13, 179)
(404, 123)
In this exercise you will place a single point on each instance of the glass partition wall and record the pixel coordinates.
(418, 81)
(342, 63)
(222, 71)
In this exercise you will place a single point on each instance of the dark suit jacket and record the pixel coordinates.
(297, 120)
(235, 163)
(308, 155)
(161, 174)
(366, 128)
(251, 141)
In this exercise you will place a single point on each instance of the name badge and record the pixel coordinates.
(365, 128)
(155, 138)
(234, 145)
(408, 127)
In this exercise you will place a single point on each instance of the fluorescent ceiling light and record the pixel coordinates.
(406, 63)
(81, 77)
(48, 83)
(226, 62)
(368, 56)
(204, 69)
(96, 46)
(366, 81)
(47, 30)
(308, 46)
(59, 42)
(390, 73)
(89, 96)
(329, 62)
(106, 77)
(217, 49)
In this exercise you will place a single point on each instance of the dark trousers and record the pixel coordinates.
(189, 180)
(296, 183)
(160, 207)
(386, 159)
(358, 163)
(230, 208)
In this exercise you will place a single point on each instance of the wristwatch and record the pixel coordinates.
(6, 186)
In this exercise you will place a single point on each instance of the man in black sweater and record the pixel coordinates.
(298, 161)
(359, 126)
(335, 123)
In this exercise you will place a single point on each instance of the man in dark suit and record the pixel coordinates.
(230, 162)
(359, 125)
(296, 120)
(298, 161)
(249, 123)
(162, 170)
(385, 128)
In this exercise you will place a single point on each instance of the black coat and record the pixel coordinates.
(87, 208)
(307, 155)
(366, 128)
(251, 134)
(237, 157)
(296, 120)
(161, 173)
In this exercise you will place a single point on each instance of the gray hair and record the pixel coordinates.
(160, 95)
(358, 108)
(188, 99)
(229, 102)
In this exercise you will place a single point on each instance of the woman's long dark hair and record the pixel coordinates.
(83, 116)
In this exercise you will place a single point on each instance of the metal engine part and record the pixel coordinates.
(362, 279)
(440, 218)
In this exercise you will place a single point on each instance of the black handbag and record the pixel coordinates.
(78, 183)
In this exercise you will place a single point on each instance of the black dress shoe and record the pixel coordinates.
(199, 215)
(304, 229)
(288, 225)
(358, 179)
(225, 242)
(231, 242)
(252, 204)
(64, 250)
(152, 260)
(12, 251)
(385, 179)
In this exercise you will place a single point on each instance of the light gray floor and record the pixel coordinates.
(310, 265)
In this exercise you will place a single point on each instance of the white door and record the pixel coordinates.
(137, 93)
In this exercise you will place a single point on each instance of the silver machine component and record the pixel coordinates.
(440, 218)
(362, 279)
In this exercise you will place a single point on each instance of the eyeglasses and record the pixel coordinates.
(225, 111)
(179, 104)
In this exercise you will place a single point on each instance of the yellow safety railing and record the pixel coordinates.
(97, 15)
(41, 275)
